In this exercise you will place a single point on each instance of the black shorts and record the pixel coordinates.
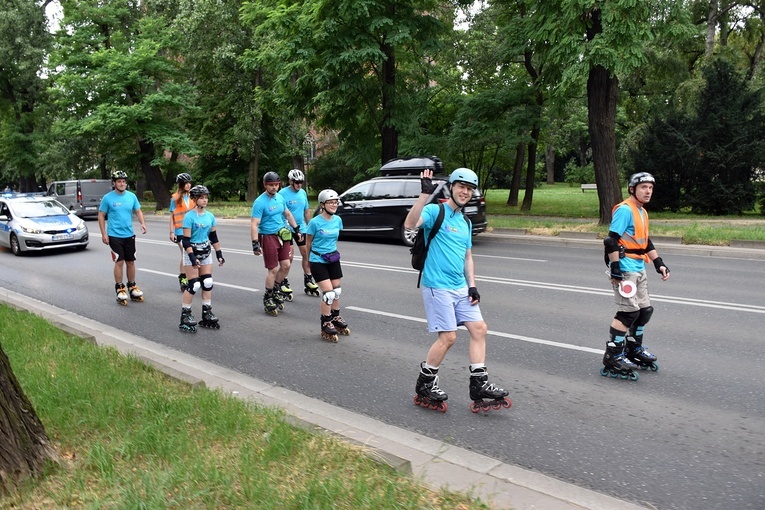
(123, 248)
(323, 272)
(299, 243)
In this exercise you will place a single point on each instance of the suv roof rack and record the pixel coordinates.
(412, 165)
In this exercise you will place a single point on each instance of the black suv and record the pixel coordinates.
(378, 207)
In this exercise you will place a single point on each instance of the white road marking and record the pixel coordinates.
(217, 283)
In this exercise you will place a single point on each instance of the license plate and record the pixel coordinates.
(471, 209)
(62, 237)
(90, 208)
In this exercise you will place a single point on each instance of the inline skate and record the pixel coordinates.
(122, 295)
(135, 293)
(270, 304)
(481, 388)
(617, 364)
(310, 286)
(340, 324)
(328, 331)
(639, 355)
(183, 281)
(188, 323)
(429, 395)
(209, 320)
(284, 289)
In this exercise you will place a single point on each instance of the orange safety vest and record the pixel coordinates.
(180, 210)
(636, 245)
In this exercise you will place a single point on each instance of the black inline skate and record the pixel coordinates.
(279, 297)
(310, 286)
(188, 323)
(340, 324)
(639, 355)
(209, 320)
(122, 295)
(135, 293)
(617, 364)
(271, 304)
(328, 331)
(183, 281)
(481, 388)
(429, 395)
(284, 289)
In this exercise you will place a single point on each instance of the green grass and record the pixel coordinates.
(130, 437)
(562, 207)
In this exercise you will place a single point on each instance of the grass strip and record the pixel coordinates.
(130, 437)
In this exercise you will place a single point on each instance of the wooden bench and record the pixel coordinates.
(589, 186)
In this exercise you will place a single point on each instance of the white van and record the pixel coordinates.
(81, 196)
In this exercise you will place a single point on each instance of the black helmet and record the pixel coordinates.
(183, 178)
(271, 177)
(118, 174)
(639, 178)
(198, 190)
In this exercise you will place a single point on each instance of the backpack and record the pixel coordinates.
(419, 249)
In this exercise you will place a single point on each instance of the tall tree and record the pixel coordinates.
(120, 84)
(339, 62)
(24, 44)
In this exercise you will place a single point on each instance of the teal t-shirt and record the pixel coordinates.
(622, 222)
(270, 210)
(119, 209)
(200, 225)
(297, 203)
(445, 265)
(325, 234)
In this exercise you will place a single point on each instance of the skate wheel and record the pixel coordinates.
(633, 376)
(344, 332)
(654, 367)
(613, 374)
(496, 406)
(604, 372)
(290, 297)
(507, 403)
(417, 400)
(474, 407)
(281, 306)
(443, 407)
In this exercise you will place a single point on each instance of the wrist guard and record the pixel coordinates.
(426, 185)
(616, 271)
(474, 295)
(658, 264)
(219, 255)
(255, 246)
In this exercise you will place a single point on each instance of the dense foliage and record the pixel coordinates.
(518, 90)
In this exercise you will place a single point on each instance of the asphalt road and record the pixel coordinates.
(690, 436)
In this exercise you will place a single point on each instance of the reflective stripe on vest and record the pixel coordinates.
(635, 246)
(181, 208)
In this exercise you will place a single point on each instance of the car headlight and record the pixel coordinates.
(81, 227)
(30, 230)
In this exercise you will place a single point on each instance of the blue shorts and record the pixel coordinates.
(446, 309)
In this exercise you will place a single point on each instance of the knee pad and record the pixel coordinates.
(645, 316)
(207, 281)
(193, 286)
(337, 291)
(329, 296)
(627, 318)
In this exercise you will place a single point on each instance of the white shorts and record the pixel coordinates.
(446, 309)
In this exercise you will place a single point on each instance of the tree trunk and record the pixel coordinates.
(528, 196)
(24, 445)
(153, 175)
(388, 132)
(520, 152)
(712, 18)
(602, 90)
(550, 163)
(601, 96)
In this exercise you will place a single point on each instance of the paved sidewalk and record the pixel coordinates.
(433, 462)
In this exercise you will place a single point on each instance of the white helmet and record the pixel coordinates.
(296, 175)
(327, 194)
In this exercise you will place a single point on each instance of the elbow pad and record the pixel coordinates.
(186, 242)
(650, 246)
(611, 242)
(213, 236)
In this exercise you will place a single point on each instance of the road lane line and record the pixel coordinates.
(217, 283)
(490, 332)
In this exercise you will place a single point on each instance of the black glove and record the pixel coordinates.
(296, 229)
(616, 271)
(426, 185)
(658, 263)
(193, 259)
(474, 295)
(219, 256)
(255, 247)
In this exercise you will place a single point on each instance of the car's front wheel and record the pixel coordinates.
(15, 246)
(407, 235)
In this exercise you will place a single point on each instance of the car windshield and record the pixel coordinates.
(39, 209)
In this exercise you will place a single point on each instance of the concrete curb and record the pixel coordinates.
(434, 463)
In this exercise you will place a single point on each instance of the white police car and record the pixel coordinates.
(31, 222)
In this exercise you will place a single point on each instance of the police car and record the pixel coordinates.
(31, 222)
